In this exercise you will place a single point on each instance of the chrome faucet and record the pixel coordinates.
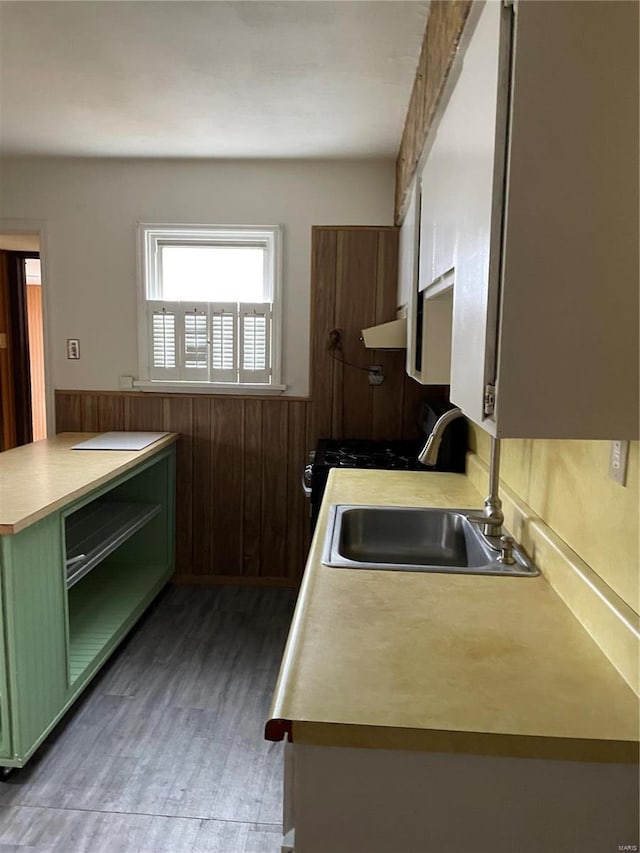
(429, 454)
(492, 518)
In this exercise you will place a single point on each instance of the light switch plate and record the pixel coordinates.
(73, 348)
(618, 461)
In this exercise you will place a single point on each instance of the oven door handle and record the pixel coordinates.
(306, 480)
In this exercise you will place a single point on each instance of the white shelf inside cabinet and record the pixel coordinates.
(96, 530)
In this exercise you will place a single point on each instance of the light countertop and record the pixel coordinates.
(449, 663)
(39, 478)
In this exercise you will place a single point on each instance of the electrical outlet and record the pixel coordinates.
(73, 348)
(618, 461)
(376, 374)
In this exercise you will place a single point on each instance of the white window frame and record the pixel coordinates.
(150, 238)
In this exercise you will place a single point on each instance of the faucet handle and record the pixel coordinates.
(507, 545)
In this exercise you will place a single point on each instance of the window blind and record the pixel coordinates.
(254, 345)
(195, 349)
(163, 340)
(210, 342)
(224, 346)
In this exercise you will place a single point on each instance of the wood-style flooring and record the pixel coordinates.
(165, 751)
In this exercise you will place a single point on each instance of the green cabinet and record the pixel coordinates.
(73, 584)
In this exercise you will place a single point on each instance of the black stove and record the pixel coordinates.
(400, 455)
(361, 453)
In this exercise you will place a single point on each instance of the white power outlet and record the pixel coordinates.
(618, 461)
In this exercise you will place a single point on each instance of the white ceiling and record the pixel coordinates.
(208, 78)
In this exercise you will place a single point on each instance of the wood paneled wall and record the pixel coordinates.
(354, 285)
(442, 36)
(241, 514)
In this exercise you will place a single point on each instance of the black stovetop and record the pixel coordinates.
(363, 453)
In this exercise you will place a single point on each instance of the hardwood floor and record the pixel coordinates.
(165, 751)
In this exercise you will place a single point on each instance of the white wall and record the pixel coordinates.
(90, 208)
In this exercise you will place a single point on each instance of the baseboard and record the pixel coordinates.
(609, 620)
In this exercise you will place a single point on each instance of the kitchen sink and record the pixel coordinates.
(415, 539)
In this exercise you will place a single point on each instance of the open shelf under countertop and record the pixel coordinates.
(96, 530)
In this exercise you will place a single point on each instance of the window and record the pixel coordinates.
(209, 307)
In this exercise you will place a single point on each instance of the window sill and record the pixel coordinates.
(176, 387)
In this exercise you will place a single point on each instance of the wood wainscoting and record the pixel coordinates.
(241, 515)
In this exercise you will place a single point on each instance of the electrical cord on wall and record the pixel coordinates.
(348, 363)
(335, 339)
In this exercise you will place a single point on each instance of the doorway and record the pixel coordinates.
(23, 410)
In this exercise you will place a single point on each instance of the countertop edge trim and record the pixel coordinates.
(277, 729)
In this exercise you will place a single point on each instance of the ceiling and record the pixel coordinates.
(207, 79)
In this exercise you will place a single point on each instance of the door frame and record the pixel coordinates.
(38, 228)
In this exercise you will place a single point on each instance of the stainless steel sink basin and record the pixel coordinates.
(413, 539)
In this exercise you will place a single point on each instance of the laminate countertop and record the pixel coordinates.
(39, 478)
(441, 662)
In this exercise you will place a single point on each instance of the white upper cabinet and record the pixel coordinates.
(441, 186)
(482, 91)
(436, 196)
(408, 249)
(530, 194)
(428, 319)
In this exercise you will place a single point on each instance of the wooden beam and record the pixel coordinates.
(441, 39)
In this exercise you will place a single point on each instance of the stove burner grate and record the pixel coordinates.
(346, 456)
